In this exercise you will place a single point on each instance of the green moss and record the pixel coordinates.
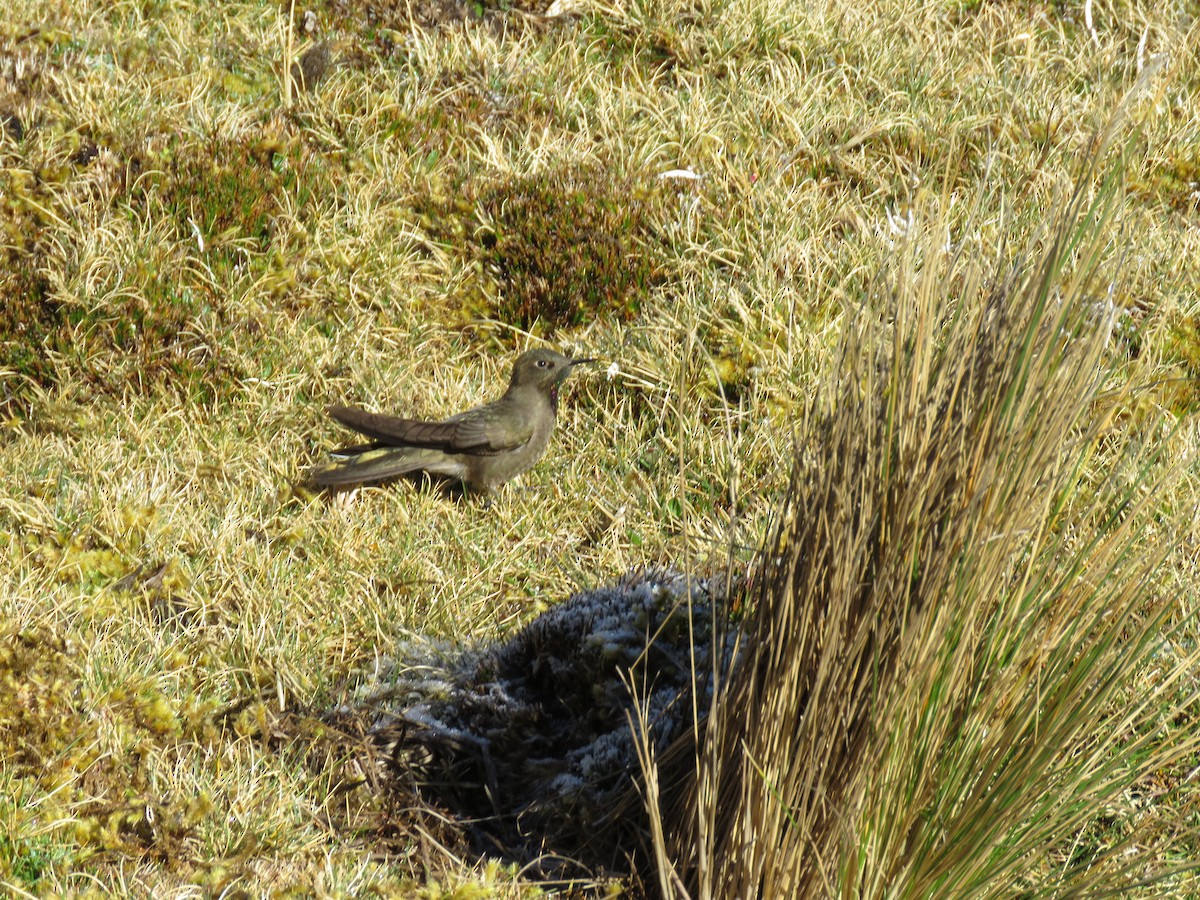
(1174, 182)
(39, 720)
(554, 249)
(1182, 350)
(234, 206)
(29, 321)
(225, 195)
(29, 861)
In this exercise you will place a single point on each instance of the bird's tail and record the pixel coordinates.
(370, 463)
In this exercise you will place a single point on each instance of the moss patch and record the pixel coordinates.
(1175, 182)
(554, 249)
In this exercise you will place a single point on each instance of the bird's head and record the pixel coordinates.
(543, 370)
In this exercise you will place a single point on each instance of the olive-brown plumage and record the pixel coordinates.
(482, 447)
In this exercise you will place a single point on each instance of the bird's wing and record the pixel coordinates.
(475, 431)
(386, 429)
(490, 429)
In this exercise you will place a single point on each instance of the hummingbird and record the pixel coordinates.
(482, 447)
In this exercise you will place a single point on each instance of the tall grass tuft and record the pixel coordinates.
(942, 686)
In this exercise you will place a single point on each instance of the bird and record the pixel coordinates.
(482, 447)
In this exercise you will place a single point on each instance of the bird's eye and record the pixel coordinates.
(542, 363)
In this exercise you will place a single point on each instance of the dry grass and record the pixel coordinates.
(191, 267)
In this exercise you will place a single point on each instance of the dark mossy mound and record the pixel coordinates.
(530, 738)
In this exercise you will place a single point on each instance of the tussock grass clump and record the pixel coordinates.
(941, 689)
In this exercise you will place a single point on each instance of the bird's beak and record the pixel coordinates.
(571, 364)
(569, 368)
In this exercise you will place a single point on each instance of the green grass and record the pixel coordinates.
(192, 266)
